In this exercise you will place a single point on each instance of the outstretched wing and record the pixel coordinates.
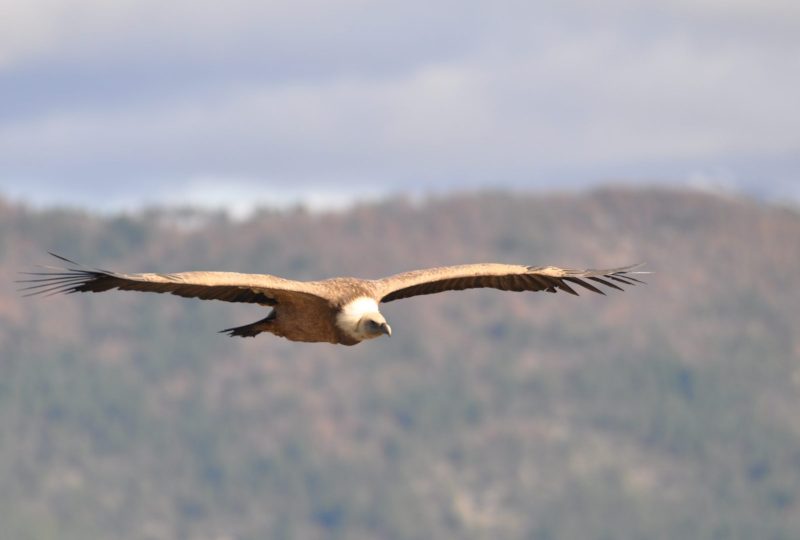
(226, 286)
(506, 277)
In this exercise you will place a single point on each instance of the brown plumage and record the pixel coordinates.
(340, 310)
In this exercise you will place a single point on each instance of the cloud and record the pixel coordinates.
(122, 97)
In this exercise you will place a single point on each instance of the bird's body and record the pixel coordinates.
(342, 310)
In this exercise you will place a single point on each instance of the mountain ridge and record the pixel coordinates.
(665, 411)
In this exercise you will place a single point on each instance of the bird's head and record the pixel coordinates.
(360, 319)
(372, 325)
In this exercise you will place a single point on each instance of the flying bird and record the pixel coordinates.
(341, 310)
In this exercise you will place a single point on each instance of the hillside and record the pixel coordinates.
(667, 411)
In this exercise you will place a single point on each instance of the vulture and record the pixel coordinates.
(340, 310)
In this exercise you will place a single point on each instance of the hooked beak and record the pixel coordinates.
(386, 329)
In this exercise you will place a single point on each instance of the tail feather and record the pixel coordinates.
(252, 329)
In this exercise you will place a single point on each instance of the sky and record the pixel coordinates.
(140, 102)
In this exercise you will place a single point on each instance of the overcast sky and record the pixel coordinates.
(141, 101)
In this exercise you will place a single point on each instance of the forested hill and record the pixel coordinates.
(667, 411)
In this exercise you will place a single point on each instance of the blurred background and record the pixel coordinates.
(308, 139)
